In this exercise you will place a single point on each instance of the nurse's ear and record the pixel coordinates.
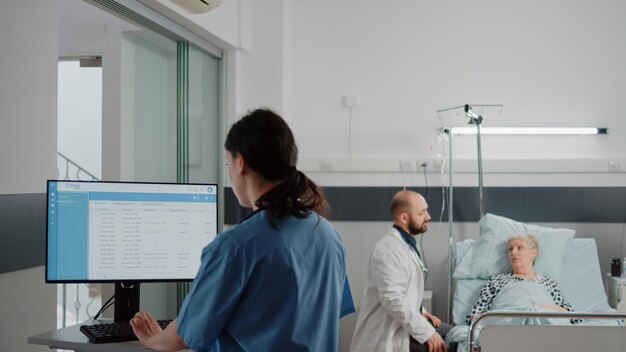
(241, 166)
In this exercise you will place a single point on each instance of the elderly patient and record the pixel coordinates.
(523, 289)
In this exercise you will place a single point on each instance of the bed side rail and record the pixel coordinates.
(471, 338)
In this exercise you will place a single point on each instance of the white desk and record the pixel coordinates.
(70, 338)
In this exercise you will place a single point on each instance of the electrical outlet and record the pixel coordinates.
(615, 166)
(405, 166)
(422, 165)
(350, 101)
(326, 166)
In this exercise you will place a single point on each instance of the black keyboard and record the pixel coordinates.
(113, 332)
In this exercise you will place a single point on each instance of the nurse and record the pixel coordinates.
(277, 280)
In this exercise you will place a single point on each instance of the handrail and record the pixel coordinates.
(77, 304)
(79, 169)
(516, 314)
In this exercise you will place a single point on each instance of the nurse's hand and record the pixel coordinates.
(144, 326)
(436, 343)
(150, 334)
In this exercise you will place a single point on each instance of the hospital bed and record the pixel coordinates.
(581, 284)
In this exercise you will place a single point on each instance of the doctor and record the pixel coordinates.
(391, 318)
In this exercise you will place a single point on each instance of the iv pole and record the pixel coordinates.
(473, 119)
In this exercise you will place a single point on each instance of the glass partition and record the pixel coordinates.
(148, 109)
(204, 140)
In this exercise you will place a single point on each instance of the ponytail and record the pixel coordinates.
(296, 195)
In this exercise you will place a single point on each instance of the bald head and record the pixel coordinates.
(403, 202)
(410, 212)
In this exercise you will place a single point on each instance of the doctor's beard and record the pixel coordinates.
(416, 229)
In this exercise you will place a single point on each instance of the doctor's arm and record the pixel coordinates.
(390, 274)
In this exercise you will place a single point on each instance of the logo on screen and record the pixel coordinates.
(209, 189)
(74, 186)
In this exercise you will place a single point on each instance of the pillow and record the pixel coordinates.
(488, 256)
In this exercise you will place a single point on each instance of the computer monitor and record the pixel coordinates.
(127, 233)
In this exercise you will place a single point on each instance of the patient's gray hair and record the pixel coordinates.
(531, 240)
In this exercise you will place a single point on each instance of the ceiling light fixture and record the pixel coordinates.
(529, 130)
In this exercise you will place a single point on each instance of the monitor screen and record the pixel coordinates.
(127, 231)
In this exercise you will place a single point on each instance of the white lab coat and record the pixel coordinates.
(390, 305)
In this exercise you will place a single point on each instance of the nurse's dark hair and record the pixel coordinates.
(267, 145)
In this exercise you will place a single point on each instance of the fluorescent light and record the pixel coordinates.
(529, 130)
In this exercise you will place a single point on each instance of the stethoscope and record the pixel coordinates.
(420, 262)
(422, 265)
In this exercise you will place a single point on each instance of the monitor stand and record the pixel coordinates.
(126, 301)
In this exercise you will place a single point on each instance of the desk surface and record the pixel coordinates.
(70, 338)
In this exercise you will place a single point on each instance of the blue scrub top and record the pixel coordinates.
(263, 289)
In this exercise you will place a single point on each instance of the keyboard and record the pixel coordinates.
(113, 332)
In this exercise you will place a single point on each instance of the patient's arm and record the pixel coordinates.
(555, 291)
(560, 301)
(553, 307)
(487, 294)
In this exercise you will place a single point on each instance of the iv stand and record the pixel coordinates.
(451, 250)
(474, 119)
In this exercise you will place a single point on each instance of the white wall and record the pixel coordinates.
(28, 87)
(557, 64)
(27, 95)
(260, 65)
